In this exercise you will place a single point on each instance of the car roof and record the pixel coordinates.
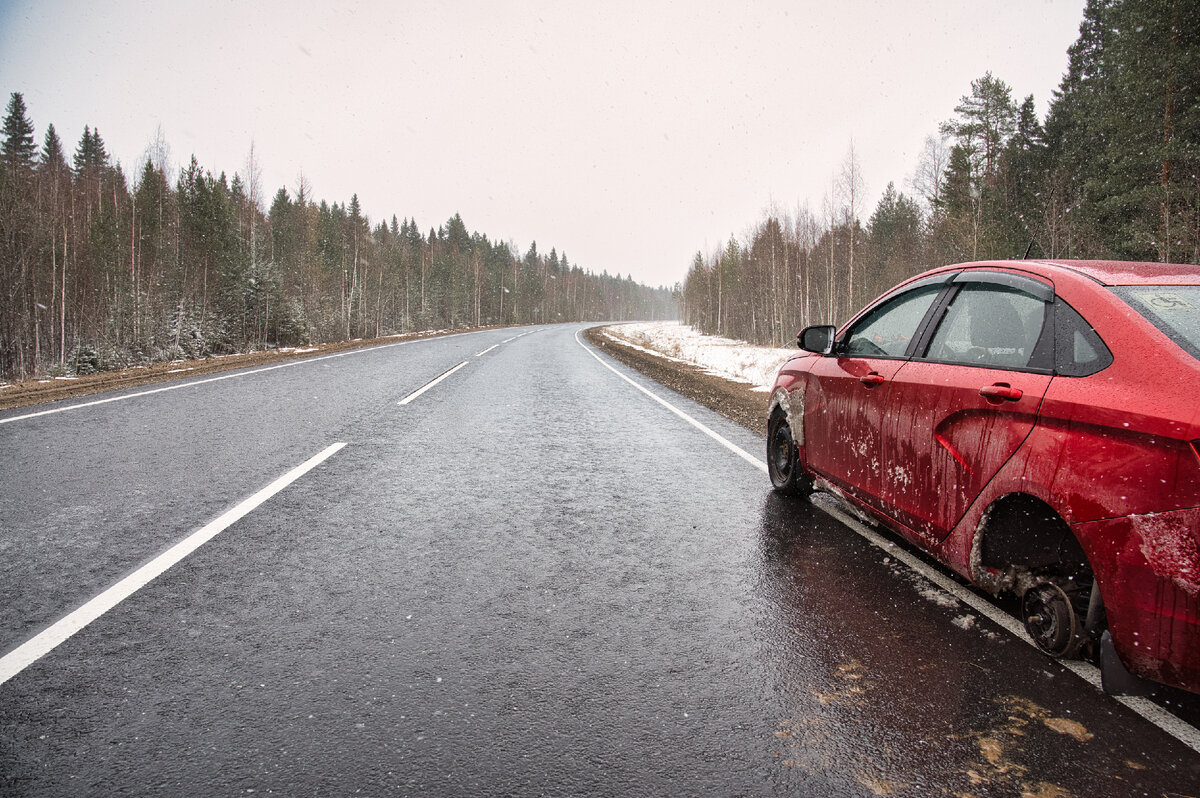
(1107, 272)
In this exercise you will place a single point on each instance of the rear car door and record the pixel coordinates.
(848, 391)
(961, 408)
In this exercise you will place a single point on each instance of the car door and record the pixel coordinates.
(962, 408)
(848, 391)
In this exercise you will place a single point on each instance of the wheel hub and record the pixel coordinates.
(1051, 621)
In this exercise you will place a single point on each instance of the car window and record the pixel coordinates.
(1079, 351)
(989, 325)
(888, 329)
(1173, 309)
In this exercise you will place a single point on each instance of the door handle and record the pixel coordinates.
(1001, 392)
(872, 379)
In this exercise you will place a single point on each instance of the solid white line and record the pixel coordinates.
(1176, 727)
(189, 384)
(1171, 724)
(484, 352)
(430, 384)
(757, 462)
(41, 644)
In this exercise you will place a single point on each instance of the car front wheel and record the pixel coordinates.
(783, 457)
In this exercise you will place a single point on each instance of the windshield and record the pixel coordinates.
(1174, 309)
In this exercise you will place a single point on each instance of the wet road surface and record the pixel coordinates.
(532, 579)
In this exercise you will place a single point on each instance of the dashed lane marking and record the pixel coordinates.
(43, 643)
(515, 337)
(230, 376)
(431, 383)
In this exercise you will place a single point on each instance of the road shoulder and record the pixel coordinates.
(736, 401)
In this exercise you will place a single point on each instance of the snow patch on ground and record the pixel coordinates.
(722, 357)
(936, 595)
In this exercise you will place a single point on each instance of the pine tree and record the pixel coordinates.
(986, 120)
(1019, 209)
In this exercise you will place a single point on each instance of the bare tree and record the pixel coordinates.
(928, 179)
(852, 190)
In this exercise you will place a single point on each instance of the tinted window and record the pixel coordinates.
(1078, 349)
(989, 325)
(1174, 309)
(888, 329)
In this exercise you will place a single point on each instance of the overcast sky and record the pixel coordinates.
(627, 135)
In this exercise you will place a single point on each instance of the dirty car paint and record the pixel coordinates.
(939, 446)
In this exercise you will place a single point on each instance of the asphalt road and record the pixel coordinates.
(531, 579)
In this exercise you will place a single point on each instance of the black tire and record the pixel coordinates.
(783, 458)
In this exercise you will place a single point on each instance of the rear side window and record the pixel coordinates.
(989, 325)
(1173, 309)
(1078, 350)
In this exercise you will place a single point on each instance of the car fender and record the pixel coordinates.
(1031, 471)
(1148, 569)
(791, 402)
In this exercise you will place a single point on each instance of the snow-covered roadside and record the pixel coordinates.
(724, 357)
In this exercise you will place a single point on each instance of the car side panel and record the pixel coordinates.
(943, 441)
(1030, 470)
(1122, 461)
(843, 411)
(1129, 487)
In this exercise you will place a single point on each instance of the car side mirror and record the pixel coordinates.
(818, 338)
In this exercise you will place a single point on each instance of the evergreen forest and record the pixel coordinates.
(1112, 172)
(97, 274)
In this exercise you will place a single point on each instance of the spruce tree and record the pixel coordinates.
(53, 159)
(17, 150)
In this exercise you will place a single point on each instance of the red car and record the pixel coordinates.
(1035, 426)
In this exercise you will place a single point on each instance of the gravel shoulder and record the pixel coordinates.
(736, 401)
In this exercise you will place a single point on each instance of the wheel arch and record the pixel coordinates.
(1021, 540)
(791, 404)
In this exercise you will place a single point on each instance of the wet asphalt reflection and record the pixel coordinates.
(536, 581)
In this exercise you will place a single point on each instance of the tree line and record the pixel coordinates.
(1113, 172)
(96, 274)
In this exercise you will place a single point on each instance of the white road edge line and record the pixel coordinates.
(759, 463)
(1176, 727)
(191, 383)
(46, 641)
(430, 384)
(1171, 724)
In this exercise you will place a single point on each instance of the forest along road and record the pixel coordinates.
(528, 577)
